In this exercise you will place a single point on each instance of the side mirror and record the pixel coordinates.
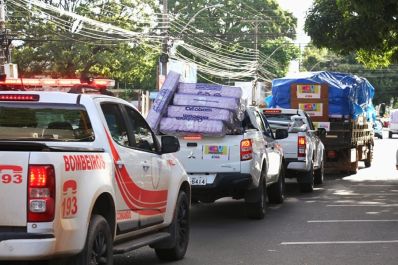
(281, 134)
(321, 132)
(170, 144)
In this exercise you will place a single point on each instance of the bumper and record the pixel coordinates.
(224, 185)
(27, 249)
(295, 165)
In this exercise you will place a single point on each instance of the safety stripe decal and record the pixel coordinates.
(148, 198)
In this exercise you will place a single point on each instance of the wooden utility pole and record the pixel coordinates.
(256, 23)
(165, 49)
(3, 35)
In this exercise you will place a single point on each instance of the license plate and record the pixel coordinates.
(198, 180)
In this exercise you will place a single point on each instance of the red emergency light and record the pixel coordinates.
(18, 97)
(49, 82)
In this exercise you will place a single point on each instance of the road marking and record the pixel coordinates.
(340, 242)
(362, 205)
(377, 185)
(352, 221)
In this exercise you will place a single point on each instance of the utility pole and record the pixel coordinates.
(256, 23)
(165, 49)
(3, 35)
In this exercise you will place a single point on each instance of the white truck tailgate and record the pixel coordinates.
(289, 145)
(13, 188)
(211, 154)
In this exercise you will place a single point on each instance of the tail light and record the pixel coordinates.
(246, 150)
(331, 154)
(41, 193)
(301, 146)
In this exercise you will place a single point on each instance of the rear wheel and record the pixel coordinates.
(98, 249)
(180, 231)
(257, 209)
(307, 183)
(276, 192)
(319, 175)
(369, 158)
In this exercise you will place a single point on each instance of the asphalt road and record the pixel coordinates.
(348, 220)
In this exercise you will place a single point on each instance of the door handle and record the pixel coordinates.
(145, 166)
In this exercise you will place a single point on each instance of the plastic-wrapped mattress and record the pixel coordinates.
(206, 101)
(162, 101)
(181, 126)
(200, 113)
(209, 90)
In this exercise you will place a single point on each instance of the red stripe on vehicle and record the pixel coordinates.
(147, 198)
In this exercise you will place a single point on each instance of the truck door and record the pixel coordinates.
(156, 170)
(138, 202)
(273, 155)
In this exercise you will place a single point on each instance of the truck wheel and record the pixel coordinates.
(256, 210)
(276, 192)
(307, 183)
(319, 175)
(98, 248)
(369, 158)
(180, 231)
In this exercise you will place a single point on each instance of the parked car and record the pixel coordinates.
(303, 150)
(378, 128)
(393, 123)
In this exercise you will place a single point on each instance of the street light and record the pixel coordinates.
(196, 14)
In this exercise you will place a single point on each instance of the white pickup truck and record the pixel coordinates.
(303, 150)
(84, 177)
(246, 165)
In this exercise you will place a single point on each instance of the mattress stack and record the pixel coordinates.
(206, 109)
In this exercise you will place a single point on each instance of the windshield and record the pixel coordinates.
(44, 122)
(279, 121)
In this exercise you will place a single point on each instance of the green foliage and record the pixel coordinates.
(55, 51)
(366, 27)
(232, 28)
(280, 53)
(385, 81)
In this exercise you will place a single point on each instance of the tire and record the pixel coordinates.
(390, 135)
(99, 244)
(319, 175)
(257, 210)
(180, 231)
(369, 158)
(276, 192)
(307, 184)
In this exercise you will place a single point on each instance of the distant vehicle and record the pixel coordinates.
(303, 150)
(378, 128)
(393, 123)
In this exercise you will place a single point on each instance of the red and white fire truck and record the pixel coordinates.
(83, 177)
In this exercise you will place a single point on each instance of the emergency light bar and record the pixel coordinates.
(48, 82)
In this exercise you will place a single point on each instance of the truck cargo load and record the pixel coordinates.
(339, 102)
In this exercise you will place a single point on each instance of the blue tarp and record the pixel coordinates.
(349, 95)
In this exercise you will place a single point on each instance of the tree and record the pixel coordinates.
(232, 28)
(384, 80)
(368, 28)
(51, 47)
